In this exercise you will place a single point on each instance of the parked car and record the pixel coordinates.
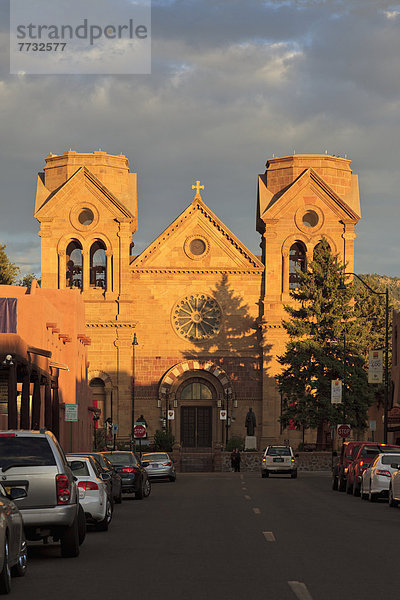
(159, 464)
(363, 458)
(394, 485)
(279, 459)
(340, 470)
(13, 551)
(376, 479)
(93, 494)
(34, 461)
(114, 484)
(133, 474)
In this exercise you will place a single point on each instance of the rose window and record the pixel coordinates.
(197, 317)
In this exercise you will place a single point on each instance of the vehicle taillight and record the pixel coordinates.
(292, 459)
(7, 434)
(264, 460)
(167, 464)
(128, 470)
(88, 485)
(361, 463)
(63, 489)
(383, 472)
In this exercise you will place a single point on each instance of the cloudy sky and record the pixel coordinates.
(233, 82)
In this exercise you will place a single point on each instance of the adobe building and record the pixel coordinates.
(192, 324)
(43, 363)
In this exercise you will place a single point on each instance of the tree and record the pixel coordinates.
(8, 270)
(323, 345)
(27, 279)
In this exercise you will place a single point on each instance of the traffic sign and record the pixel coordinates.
(71, 412)
(223, 415)
(336, 391)
(139, 431)
(344, 430)
(375, 366)
(115, 429)
(171, 415)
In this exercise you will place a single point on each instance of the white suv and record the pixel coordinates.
(279, 459)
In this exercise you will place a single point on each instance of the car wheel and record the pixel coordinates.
(356, 489)
(103, 525)
(146, 488)
(172, 478)
(341, 484)
(70, 540)
(349, 486)
(19, 569)
(293, 475)
(81, 525)
(392, 502)
(118, 499)
(335, 482)
(5, 576)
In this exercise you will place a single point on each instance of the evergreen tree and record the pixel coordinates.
(8, 270)
(323, 334)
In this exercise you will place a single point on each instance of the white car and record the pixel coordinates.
(376, 479)
(92, 488)
(279, 459)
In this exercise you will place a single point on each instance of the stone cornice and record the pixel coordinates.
(256, 272)
(111, 324)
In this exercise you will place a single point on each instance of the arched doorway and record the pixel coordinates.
(195, 398)
(99, 398)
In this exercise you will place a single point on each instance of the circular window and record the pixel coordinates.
(197, 247)
(310, 219)
(86, 217)
(197, 317)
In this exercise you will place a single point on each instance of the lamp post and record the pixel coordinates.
(227, 395)
(166, 411)
(386, 294)
(134, 343)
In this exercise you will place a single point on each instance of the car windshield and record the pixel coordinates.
(121, 458)
(392, 458)
(155, 457)
(83, 471)
(25, 451)
(369, 451)
(278, 451)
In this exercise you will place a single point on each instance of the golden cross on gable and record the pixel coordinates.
(197, 187)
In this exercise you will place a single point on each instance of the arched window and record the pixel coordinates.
(317, 247)
(196, 391)
(97, 386)
(297, 262)
(74, 265)
(98, 272)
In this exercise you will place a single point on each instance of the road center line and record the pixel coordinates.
(300, 590)
(269, 536)
(256, 511)
(247, 497)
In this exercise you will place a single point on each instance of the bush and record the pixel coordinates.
(163, 440)
(235, 442)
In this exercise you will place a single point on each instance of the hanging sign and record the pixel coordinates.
(375, 366)
(223, 415)
(171, 415)
(336, 391)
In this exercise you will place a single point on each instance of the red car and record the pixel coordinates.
(362, 460)
(339, 474)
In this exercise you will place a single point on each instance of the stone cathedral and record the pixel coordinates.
(192, 325)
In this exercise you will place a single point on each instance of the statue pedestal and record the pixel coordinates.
(250, 442)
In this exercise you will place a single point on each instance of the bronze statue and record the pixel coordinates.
(250, 422)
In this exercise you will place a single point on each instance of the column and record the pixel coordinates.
(62, 270)
(12, 397)
(85, 270)
(109, 282)
(25, 408)
(48, 413)
(285, 273)
(36, 402)
(56, 410)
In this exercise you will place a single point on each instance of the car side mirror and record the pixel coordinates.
(105, 476)
(17, 493)
(76, 465)
(145, 463)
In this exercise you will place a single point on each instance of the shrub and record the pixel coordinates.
(163, 440)
(235, 442)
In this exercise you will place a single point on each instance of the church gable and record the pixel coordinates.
(82, 187)
(197, 240)
(310, 188)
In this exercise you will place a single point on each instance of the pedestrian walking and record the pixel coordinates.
(235, 460)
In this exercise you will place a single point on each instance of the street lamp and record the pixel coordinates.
(134, 343)
(166, 411)
(228, 395)
(386, 294)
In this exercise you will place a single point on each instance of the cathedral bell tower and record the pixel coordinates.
(87, 208)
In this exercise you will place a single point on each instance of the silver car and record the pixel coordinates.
(13, 551)
(159, 464)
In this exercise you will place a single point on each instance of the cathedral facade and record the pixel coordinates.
(190, 329)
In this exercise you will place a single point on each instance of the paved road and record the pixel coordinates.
(230, 536)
